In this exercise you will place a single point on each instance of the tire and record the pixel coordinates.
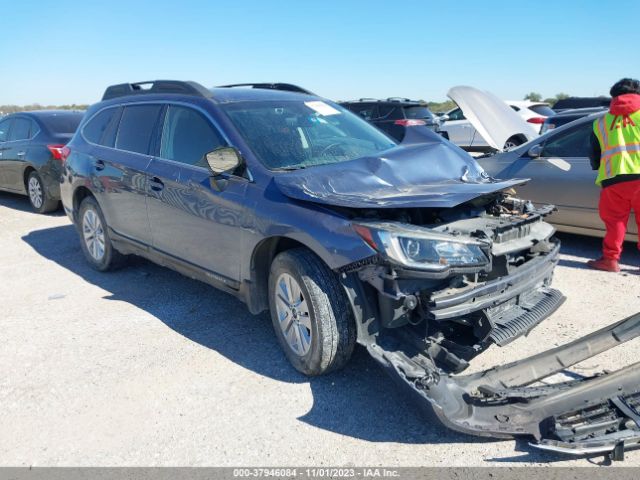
(327, 330)
(91, 225)
(512, 142)
(38, 197)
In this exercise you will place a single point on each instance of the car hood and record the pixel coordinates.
(425, 171)
(492, 118)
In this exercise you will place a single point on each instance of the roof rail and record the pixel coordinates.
(287, 87)
(398, 99)
(156, 86)
(368, 99)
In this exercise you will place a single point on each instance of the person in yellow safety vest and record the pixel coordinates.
(615, 153)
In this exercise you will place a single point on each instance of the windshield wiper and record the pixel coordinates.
(289, 169)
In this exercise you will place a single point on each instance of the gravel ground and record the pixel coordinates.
(146, 367)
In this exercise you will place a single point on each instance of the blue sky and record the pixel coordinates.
(67, 51)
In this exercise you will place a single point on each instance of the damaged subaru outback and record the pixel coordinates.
(295, 205)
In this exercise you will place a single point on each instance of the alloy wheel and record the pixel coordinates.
(93, 234)
(35, 192)
(293, 314)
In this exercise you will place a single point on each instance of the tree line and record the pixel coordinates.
(7, 109)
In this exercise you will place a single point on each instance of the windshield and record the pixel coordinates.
(62, 124)
(296, 134)
(542, 110)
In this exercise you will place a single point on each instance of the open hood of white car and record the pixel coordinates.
(491, 117)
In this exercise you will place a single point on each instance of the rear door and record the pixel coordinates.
(122, 139)
(16, 151)
(190, 219)
(5, 126)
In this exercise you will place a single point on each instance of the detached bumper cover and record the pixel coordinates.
(581, 416)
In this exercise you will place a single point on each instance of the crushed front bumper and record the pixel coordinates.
(511, 305)
(585, 415)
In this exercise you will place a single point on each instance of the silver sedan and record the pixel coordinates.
(558, 165)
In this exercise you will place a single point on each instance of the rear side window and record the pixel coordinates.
(421, 113)
(365, 110)
(187, 136)
(95, 131)
(136, 127)
(21, 129)
(389, 112)
(4, 130)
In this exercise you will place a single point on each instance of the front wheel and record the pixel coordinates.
(310, 312)
(512, 142)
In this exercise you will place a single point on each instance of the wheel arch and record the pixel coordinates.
(80, 194)
(520, 138)
(260, 266)
(25, 176)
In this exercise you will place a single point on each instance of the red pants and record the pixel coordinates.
(616, 202)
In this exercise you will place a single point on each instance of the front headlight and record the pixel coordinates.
(422, 248)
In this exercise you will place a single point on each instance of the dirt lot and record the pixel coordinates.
(145, 367)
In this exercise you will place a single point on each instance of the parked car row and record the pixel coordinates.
(394, 114)
(295, 205)
(31, 146)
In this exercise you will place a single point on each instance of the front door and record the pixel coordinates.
(458, 128)
(190, 218)
(562, 176)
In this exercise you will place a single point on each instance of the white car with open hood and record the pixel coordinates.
(483, 122)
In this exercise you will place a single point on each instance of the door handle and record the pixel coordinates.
(99, 165)
(156, 184)
(21, 154)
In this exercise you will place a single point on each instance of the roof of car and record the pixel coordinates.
(524, 103)
(580, 111)
(228, 95)
(155, 90)
(393, 100)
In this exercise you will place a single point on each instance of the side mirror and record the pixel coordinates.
(222, 160)
(535, 151)
(443, 118)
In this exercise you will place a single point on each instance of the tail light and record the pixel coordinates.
(409, 122)
(59, 152)
(538, 120)
(56, 151)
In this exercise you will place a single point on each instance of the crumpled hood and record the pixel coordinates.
(430, 174)
(491, 117)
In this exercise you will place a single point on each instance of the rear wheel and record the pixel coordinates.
(38, 197)
(94, 237)
(311, 315)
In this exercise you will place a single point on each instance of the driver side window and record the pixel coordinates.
(456, 115)
(187, 136)
(571, 143)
